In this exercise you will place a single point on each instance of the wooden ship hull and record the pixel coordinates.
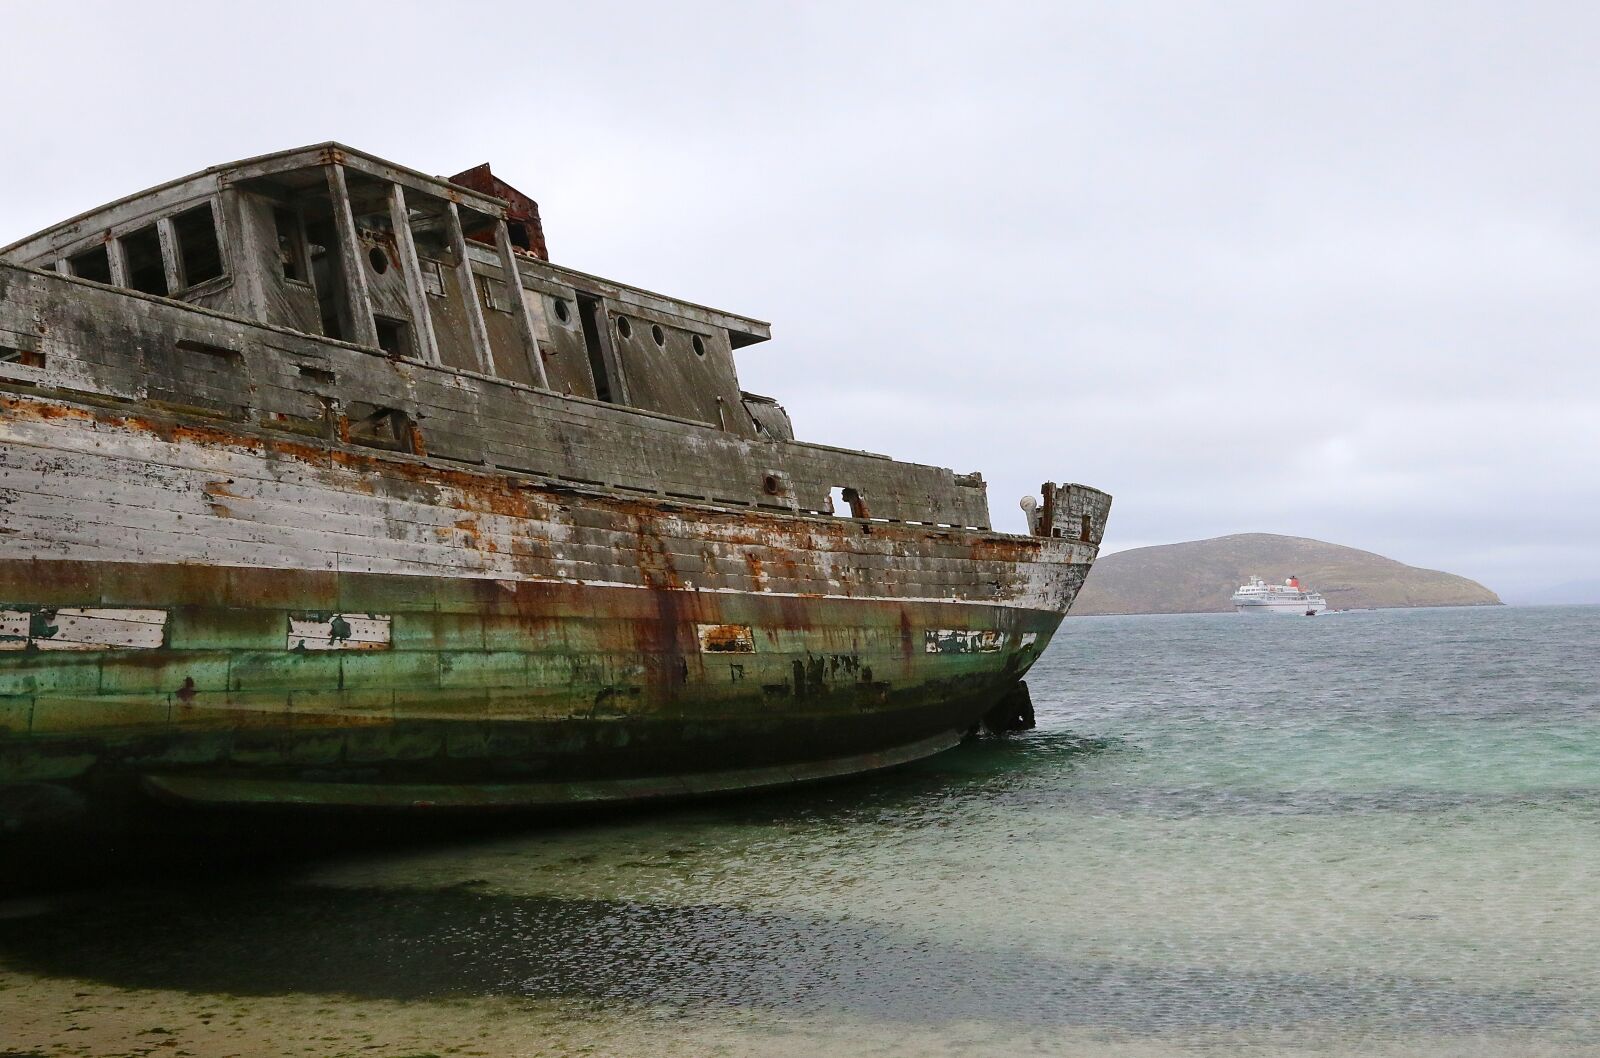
(246, 563)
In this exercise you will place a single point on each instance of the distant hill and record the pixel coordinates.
(1200, 575)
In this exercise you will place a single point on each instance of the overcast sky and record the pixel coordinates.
(1319, 269)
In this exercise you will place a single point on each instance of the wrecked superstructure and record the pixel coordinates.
(321, 484)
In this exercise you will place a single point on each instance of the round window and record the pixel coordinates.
(699, 346)
(378, 259)
(563, 312)
(659, 335)
(624, 327)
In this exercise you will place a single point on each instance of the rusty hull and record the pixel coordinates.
(359, 501)
(709, 649)
(643, 692)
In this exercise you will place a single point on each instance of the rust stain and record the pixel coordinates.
(521, 211)
(515, 497)
(726, 639)
(474, 534)
(1007, 549)
(655, 564)
(48, 411)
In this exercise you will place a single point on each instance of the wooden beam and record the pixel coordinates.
(519, 304)
(247, 258)
(270, 166)
(118, 218)
(222, 227)
(118, 262)
(411, 269)
(751, 330)
(171, 260)
(421, 183)
(468, 285)
(358, 304)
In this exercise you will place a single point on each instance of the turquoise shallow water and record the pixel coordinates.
(1364, 833)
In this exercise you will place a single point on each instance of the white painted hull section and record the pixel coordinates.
(75, 628)
(108, 491)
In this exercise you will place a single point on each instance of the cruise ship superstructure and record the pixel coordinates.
(1290, 597)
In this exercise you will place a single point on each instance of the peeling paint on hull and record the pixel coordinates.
(564, 684)
(309, 621)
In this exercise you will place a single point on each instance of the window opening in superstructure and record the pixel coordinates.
(593, 320)
(432, 277)
(374, 426)
(198, 250)
(394, 336)
(291, 248)
(494, 295)
(93, 264)
(434, 253)
(429, 232)
(325, 276)
(21, 357)
(846, 502)
(146, 272)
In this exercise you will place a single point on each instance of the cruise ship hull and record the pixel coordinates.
(1297, 607)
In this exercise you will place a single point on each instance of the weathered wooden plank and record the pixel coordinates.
(519, 307)
(416, 297)
(468, 286)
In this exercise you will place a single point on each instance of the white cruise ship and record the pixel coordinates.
(1289, 597)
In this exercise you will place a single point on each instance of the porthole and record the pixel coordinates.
(563, 311)
(659, 335)
(624, 327)
(699, 346)
(378, 259)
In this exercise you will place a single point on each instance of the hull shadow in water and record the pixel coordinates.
(150, 840)
(264, 939)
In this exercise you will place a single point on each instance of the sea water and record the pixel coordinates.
(1364, 833)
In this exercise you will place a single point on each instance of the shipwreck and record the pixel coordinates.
(321, 485)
